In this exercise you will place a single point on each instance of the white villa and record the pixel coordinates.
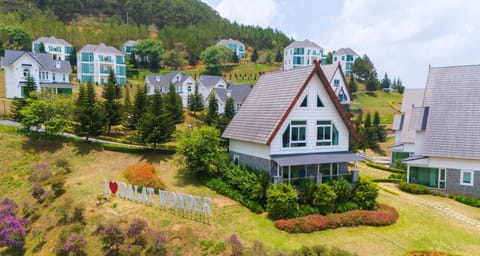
(95, 61)
(45, 70)
(234, 45)
(206, 83)
(184, 84)
(301, 54)
(293, 126)
(346, 57)
(335, 76)
(443, 131)
(238, 93)
(59, 48)
(127, 47)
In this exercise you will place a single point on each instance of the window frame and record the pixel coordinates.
(295, 126)
(333, 136)
(462, 176)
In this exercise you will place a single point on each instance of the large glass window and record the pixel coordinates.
(87, 68)
(87, 56)
(120, 59)
(299, 51)
(297, 60)
(424, 176)
(327, 133)
(295, 134)
(349, 57)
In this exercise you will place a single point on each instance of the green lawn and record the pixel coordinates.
(419, 227)
(381, 102)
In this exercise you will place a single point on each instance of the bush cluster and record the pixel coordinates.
(414, 188)
(224, 188)
(12, 228)
(246, 181)
(385, 215)
(143, 175)
(385, 168)
(318, 250)
(282, 201)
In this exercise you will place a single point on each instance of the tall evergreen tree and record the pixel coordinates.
(279, 56)
(89, 116)
(30, 86)
(212, 112)
(173, 104)
(113, 109)
(254, 56)
(235, 58)
(386, 83)
(379, 130)
(139, 106)
(229, 109)
(73, 57)
(41, 49)
(352, 84)
(156, 125)
(195, 102)
(127, 109)
(19, 103)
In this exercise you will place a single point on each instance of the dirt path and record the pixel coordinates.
(440, 207)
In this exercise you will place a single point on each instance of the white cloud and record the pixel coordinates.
(265, 13)
(403, 37)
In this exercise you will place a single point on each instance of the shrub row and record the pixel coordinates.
(135, 149)
(225, 189)
(413, 188)
(385, 215)
(382, 167)
(475, 202)
(397, 181)
(248, 182)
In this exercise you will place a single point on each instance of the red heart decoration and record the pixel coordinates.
(113, 187)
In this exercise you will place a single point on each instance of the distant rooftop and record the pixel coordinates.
(345, 51)
(229, 41)
(304, 44)
(52, 40)
(45, 60)
(100, 48)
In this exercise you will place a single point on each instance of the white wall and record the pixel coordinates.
(250, 148)
(205, 90)
(14, 74)
(338, 76)
(307, 58)
(454, 163)
(419, 142)
(312, 113)
(188, 82)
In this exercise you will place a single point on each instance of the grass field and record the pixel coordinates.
(381, 102)
(419, 227)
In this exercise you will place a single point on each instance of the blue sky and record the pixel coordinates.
(401, 37)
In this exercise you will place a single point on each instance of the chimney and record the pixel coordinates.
(229, 93)
(57, 65)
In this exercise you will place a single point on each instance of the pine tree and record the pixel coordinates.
(195, 102)
(379, 130)
(89, 116)
(156, 125)
(352, 84)
(19, 103)
(386, 83)
(42, 48)
(212, 113)
(72, 58)
(229, 109)
(113, 109)
(254, 57)
(127, 109)
(30, 86)
(139, 106)
(235, 58)
(279, 56)
(173, 104)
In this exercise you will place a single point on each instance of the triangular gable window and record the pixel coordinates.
(304, 102)
(319, 102)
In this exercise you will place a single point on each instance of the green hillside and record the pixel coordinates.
(386, 103)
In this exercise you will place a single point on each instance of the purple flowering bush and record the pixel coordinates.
(237, 247)
(12, 230)
(75, 244)
(156, 243)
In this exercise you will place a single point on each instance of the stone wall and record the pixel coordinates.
(453, 185)
(252, 161)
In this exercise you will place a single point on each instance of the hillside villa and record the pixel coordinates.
(301, 54)
(444, 130)
(236, 46)
(184, 84)
(293, 126)
(206, 83)
(59, 48)
(335, 76)
(95, 61)
(127, 47)
(45, 70)
(346, 57)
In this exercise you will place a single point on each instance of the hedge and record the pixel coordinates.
(225, 189)
(413, 188)
(385, 215)
(134, 149)
(475, 202)
(396, 181)
(382, 167)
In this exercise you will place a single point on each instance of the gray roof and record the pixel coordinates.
(329, 70)
(209, 80)
(238, 92)
(52, 40)
(453, 124)
(270, 101)
(411, 98)
(398, 122)
(45, 60)
(163, 80)
(304, 44)
(345, 51)
(229, 41)
(100, 48)
(130, 43)
(316, 158)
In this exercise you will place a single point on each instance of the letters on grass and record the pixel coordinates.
(167, 200)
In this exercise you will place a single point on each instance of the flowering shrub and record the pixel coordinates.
(156, 243)
(237, 247)
(385, 215)
(112, 238)
(136, 231)
(12, 231)
(38, 192)
(75, 244)
(143, 175)
(41, 172)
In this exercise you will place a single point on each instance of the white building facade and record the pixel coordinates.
(59, 48)
(346, 57)
(301, 54)
(95, 61)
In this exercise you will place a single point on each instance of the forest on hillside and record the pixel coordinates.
(113, 22)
